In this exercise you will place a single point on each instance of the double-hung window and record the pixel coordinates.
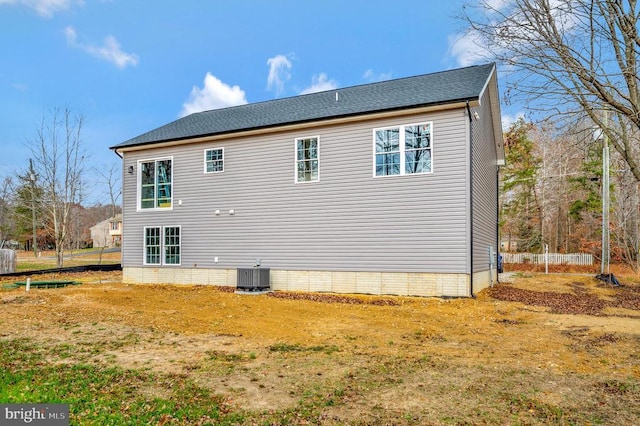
(162, 245)
(152, 246)
(214, 160)
(155, 178)
(402, 150)
(307, 159)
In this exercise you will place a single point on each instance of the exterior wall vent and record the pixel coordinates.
(253, 280)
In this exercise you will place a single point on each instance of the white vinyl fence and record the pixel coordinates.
(8, 261)
(554, 258)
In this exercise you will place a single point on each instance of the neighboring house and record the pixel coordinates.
(107, 233)
(509, 245)
(383, 188)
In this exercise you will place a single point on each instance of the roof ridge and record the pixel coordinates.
(436, 88)
(374, 83)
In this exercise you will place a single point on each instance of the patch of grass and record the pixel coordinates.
(526, 406)
(616, 387)
(64, 350)
(287, 347)
(106, 395)
(224, 357)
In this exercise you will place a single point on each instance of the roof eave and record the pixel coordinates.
(370, 115)
(492, 86)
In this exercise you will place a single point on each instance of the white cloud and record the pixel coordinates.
(372, 77)
(279, 74)
(213, 95)
(467, 49)
(498, 5)
(110, 51)
(509, 119)
(45, 8)
(320, 83)
(512, 26)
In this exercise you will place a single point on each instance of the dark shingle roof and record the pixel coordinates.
(424, 90)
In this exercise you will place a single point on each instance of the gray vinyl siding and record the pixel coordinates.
(347, 221)
(484, 169)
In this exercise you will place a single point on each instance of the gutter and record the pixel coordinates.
(470, 200)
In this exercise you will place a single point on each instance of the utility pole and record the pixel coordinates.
(604, 268)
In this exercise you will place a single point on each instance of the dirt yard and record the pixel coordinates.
(542, 349)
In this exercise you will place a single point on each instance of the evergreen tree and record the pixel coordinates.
(521, 208)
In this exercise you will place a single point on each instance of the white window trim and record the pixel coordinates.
(162, 246)
(205, 161)
(402, 149)
(139, 185)
(295, 160)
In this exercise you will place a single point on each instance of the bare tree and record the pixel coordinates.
(6, 195)
(111, 176)
(568, 58)
(59, 160)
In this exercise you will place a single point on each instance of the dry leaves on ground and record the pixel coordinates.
(581, 301)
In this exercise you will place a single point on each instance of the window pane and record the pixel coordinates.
(418, 161)
(387, 164)
(307, 159)
(147, 192)
(147, 196)
(164, 171)
(387, 140)
(164, 184)
(214, 159)
(148, 174)
(152, 246)
(300, 150)
(301, 171)
(214, 166)
(164, 195)
(307, 171)
(313, 149)
(214, 154)
(417, 137)
(172, 245)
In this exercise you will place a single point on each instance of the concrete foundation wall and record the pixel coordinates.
(484, 279)
(382, 283)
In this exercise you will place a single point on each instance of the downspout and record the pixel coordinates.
(470, 200)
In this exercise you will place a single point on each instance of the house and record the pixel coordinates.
(383, 188)
(107, 233)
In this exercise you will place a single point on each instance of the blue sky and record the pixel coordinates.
(129, 65)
